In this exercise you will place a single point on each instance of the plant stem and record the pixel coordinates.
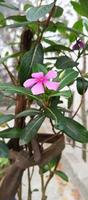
(44, 197)
(29, 186)
(14, 81)
(20, 192)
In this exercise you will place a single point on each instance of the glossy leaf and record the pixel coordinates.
(19, 90)
(73, 129)
(50, 114)
(65, 93)
(5, 118)
(35, 13)
(3, 149)
(31, 129)
(64, 62)
(39, 68)
(29, 59)
(67, 77)
(77, 26)
(28, 112)
(62, 175)
(57, 48)
(58, 11)
(82, 85)
(11, 133)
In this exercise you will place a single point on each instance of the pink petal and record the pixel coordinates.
(37, 89)
(37, 75)
(29, 83)
(51, 74)
(52, 85)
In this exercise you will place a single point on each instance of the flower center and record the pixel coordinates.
(42, 79)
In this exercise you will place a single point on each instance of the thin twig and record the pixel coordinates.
(10, 74)
(29, 186)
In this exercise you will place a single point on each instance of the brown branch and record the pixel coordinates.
(36, 149)
(23, 161)
(10, 183)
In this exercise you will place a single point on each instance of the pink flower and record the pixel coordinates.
(40, 81)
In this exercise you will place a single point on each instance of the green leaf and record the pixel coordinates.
(50, 114)
(39, 68)
(62, 175)
(77, 26)
(73, 129)
(62, 28)
(57, 48)
(3, 59)
(35, 190)
(70, 100)
(77, 7)
(2, 20)
(11, 133)
(35, 13)
(84, 6)
(29, 112)
(17, 18)
(10, 6)
(47, 167)
(31, 129)
(67, 77)
(81, 7)
(2, 0)
(58, 11)
(17, 25)
(27, 5)
(82, 85)
(4, 162)
(29, 59)
(4, 152)
(65, 93)
(5, 118)
(19, 90)
(64, 62)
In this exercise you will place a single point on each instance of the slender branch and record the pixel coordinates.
(31, 175)
(47, 22)
(51, 175)
(78, 108)
(14, 81)
(20, 192)
(13, 98)
(29, 186)
(52, 126)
